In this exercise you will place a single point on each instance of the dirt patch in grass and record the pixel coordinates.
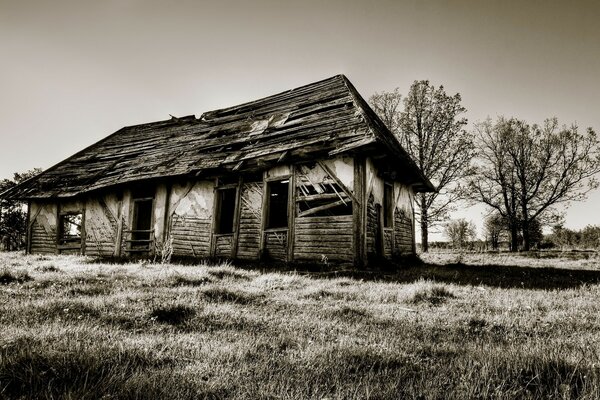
(334, 295)
(48, 268)
(434, 295)
(90, 290)
(181, 280)
(172, 315)
(348, 313)
(230, 273)
(230, 296)
(7, 277)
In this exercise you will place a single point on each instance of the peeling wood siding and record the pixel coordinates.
(43, 228)
(318, 237)
(387, 242)
(189, 220)
(250, 216)
(403, 220)
(372, 227)
(101, 225)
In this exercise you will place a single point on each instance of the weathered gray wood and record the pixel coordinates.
(292, 207)
(324, 207)
(341, 184)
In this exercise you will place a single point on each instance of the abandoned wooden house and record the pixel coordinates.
(310, 174)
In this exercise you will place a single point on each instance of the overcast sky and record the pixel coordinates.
(72, 72)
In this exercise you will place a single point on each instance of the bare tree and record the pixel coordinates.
(460, 232)
(494, 225)
(524, 171)
(430, 128)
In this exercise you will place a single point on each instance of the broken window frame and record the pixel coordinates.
(269, 226)
(141, 240)
(327, 198)
(218, 225)
(70, 241)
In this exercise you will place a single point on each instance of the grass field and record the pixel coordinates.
(478, 326)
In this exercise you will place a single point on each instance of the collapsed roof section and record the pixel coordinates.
(318, 120)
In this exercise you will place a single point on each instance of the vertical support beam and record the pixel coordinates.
(29, 225)
(291, 236)
(167, 216)
(123, 222)
(380, 234)
(58, 227)
(236, 218)
(359, 213)
(412, 232)
(264, 216)
(215, 218)
(393, 231)
(159, 214)
(83, 234)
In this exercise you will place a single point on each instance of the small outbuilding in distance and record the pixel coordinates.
(303, 175)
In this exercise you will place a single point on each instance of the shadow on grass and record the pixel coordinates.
(501, 276)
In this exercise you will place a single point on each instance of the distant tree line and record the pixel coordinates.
(13, 214)
(524, 173)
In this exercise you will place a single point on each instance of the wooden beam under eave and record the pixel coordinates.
(359, 213)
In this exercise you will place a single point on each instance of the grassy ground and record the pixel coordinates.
(471, 327)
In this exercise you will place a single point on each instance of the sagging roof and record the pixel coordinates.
(321, 119)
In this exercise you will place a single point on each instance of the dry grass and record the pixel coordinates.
(81, 330)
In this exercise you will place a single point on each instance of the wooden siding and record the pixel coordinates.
(191, 236)
(223, 245)
(403, 233)
(101, 225)
(43, 228)
(387, 242)
(276, 245)
(371, 227)
(250, 216)
(318, 237)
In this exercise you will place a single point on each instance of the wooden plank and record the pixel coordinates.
(315, 210)
(236, 217)
(28, 244)
(292, 207)
(359, 242)
(264, 215)
(326, 219)
(322, 196)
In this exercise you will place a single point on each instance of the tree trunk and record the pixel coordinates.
(526, 238)
(424, 226)
(514, 239)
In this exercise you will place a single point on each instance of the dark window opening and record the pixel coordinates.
(278, 204)
(323, 200)
(225, 210)
(70, 229)
(143, 192)
(142, 224)
(388, 205)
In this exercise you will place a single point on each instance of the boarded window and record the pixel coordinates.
(70, 229)
(278, 204)
(225, 210)
(388, 205)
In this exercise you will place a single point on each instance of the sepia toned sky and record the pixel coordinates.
(72, 72)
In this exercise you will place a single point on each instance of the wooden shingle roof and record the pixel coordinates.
(321, 119)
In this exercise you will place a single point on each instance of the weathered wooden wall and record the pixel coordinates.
(102, 218)
(250, 217)
(189, 219)
(325, 238)
(404, 239)
(42, 226)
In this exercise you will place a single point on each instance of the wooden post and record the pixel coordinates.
(359, 213)
(213, 227)
(264, 216)
(58, 227)
(159, 214)
(291, 214)
(29, 225)
(83, 234)
(236, 218)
